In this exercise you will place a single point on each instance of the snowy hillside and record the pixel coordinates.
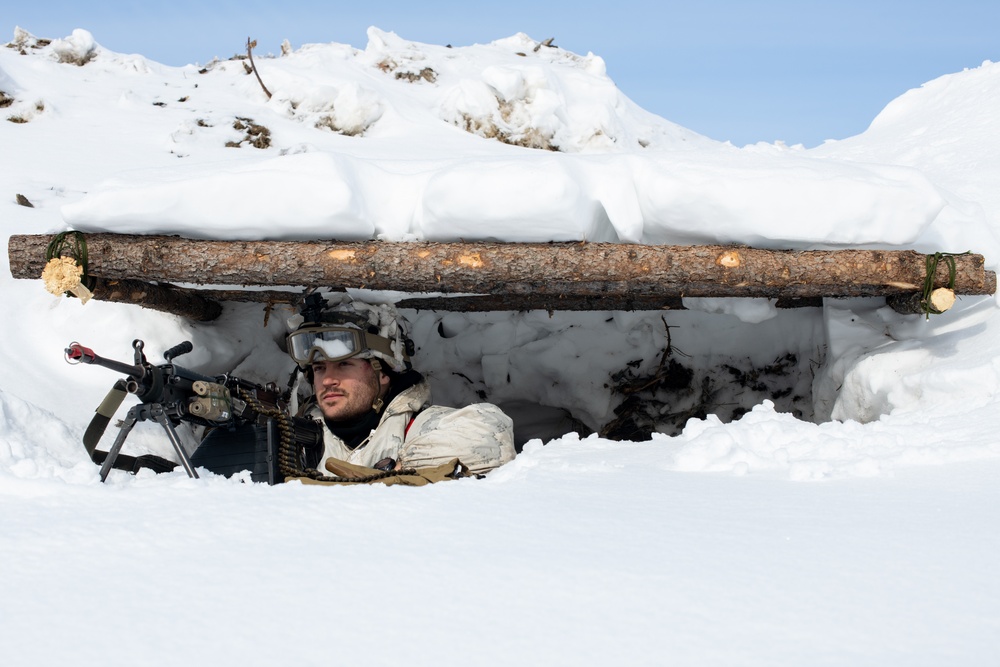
(699, 543)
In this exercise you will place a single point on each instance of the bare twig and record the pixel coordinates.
(547, 42)
(250, 47)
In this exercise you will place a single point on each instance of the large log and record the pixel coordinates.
(557, 269)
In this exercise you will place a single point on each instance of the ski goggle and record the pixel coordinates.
(312, 344)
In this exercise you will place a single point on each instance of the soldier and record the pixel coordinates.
(376, 408)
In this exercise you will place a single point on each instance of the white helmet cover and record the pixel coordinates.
(381, 320)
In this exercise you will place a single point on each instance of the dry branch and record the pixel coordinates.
(165, 298)
(253, 67)
(522, 302)
(476, 304)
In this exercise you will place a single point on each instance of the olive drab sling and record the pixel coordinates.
(349, 473)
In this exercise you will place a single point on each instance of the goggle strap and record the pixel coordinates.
(377, 343)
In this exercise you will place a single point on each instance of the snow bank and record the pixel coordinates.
(394, 141)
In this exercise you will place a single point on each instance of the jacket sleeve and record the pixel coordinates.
(480, 435)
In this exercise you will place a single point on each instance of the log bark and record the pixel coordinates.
(554, 269)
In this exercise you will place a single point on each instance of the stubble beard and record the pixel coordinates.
(348, 404)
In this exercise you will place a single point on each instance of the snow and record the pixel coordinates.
(836, 504)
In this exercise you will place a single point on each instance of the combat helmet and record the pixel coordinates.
(337, 327)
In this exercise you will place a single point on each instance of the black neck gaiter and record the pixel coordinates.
(354, 431)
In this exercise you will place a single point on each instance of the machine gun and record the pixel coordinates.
(242, 418)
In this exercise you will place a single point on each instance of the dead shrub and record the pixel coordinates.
(407, 74)
(328, 122)
(24, 40)
(488, 129)
(26, 116)
(255, 134)
(426, 74)
(68, 58)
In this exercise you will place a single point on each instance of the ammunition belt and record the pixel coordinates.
(289, 463)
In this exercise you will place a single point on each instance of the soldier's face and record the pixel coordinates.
(347, 388)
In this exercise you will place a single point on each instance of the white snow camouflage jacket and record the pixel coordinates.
(480, 435)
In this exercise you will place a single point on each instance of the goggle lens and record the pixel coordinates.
(307, 346)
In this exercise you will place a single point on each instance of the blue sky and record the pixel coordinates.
(796, 71)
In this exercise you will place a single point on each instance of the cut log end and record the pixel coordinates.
(941, 300)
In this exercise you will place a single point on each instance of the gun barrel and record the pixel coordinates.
(80, 354)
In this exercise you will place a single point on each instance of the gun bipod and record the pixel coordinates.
(146, 412)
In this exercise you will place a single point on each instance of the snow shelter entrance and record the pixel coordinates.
(624, 375)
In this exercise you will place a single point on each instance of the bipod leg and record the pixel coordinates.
(109, 461)
(160, 416)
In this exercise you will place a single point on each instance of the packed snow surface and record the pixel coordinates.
(821, 490)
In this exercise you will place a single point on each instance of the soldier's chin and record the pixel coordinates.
(337, 412)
